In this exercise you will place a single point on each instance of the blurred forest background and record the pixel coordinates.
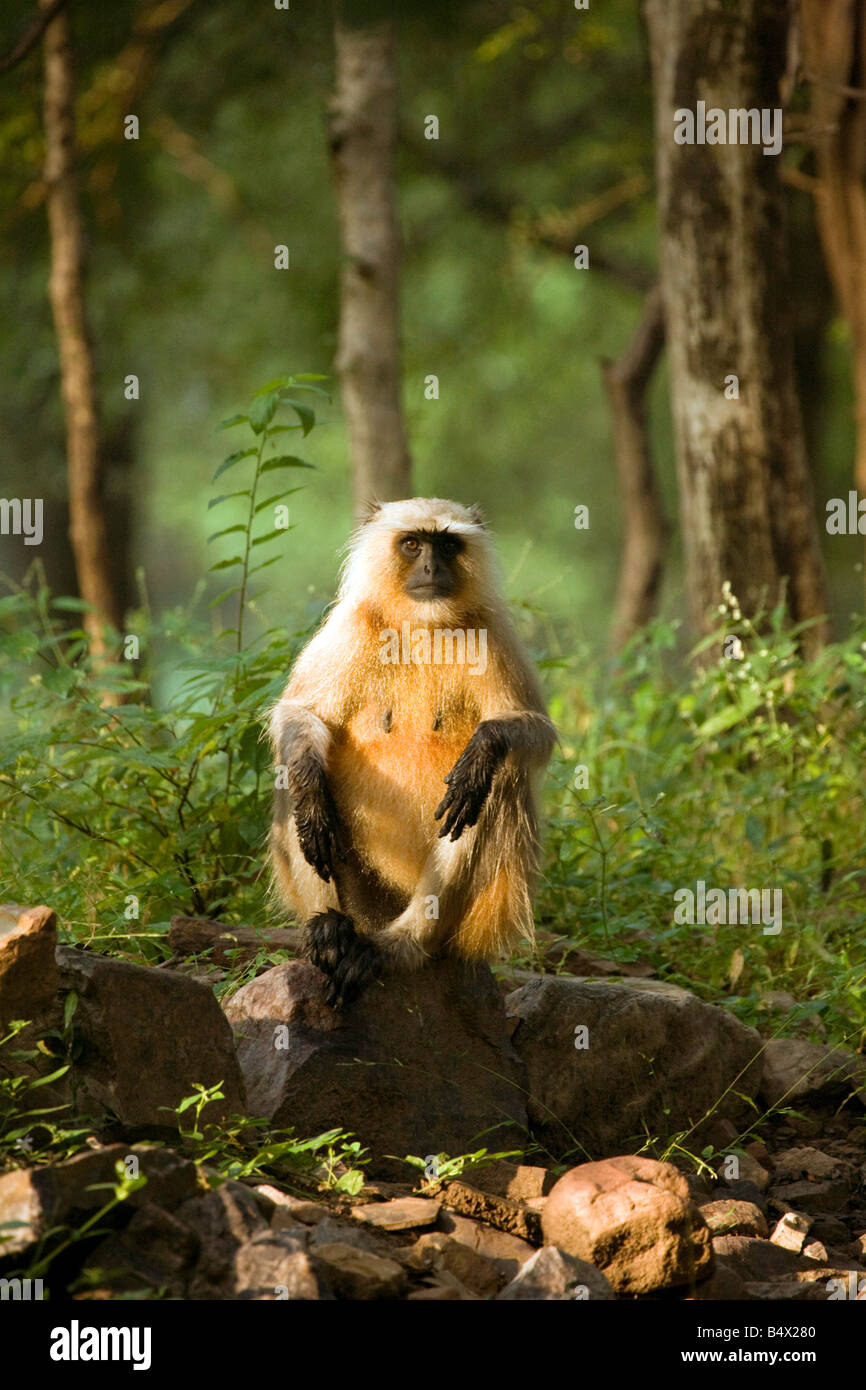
(488, 195)
(545, 142)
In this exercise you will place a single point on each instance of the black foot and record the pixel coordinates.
(348, 961)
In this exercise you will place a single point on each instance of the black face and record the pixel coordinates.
(430, 560)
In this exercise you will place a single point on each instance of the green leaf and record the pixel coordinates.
(231, 461)
(305, 413)
(227, 497)
(227, 593)
(262, 411)
(232, 421)
(226, 531)
(227, 564)
(277, 497)
(263, 566)
(284, 461)
(70, 1004)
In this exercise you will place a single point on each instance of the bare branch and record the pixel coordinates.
(31, 37)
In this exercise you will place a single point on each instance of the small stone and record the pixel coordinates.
(359, 1274)
(401, 1214)
(299, 1208)
(274, 1266)
(553, 1276)
(794, 1070)
(813, 1196)
(441, 1252)
(791, 1232)
(816, 1250)
(508, 1252)
(734, 1218)
(520, 1181)
(502, 1212)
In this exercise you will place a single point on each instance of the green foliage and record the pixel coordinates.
(26, 1131)
(122, 815)
(743, 773)
(440, 1168)
(233, 1148)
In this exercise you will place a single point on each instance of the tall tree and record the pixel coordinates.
(746, 506)
(834, 61)
(87, 528)
(362, 138)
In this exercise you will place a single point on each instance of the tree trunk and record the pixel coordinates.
(362, 138)
(834, 60)
(87, 530)
(644, 527)
(746, 506)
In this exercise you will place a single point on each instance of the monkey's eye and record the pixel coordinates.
(449, 546)
(410, 545)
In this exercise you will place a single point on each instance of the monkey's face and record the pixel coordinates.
(428, 563)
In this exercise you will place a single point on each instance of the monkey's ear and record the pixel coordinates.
(369, 509)
(478, 517)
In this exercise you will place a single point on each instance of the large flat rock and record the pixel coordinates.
(421, 1064)
(656, 1060)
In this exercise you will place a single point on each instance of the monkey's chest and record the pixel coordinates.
(387, 772)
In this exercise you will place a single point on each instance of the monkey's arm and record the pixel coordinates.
(301, 740)
(527, 734)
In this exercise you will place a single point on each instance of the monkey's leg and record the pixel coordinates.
(474, 892)
(435, 907)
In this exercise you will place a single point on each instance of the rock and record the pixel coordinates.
(792, 1165)
(796, 1071)
(146, 1036)
(791, 1231)
(274, 1266)
(520, 1181)
(757, 1259)
(657, 1060)
(61, 1194)
(831, 1231)
(359, 1274)
(333, 1231)
(734, 1218)
(552, 1275)
(223, 1220)
(817, 1251)
(787, 1290)
(153, 1251)
(813, 1196)
(633, 1219)
(501, 1212)
(807, 1177)
(506, 1251)
(402, 1214)
(228, 946)
(723, 1286)
(419, 1065)
(441, 1292)
(743, 1191)
(29, 978)
(299, 1208)
(748, 1169)
(436, 1250)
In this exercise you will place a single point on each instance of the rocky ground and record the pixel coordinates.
(762, 1196)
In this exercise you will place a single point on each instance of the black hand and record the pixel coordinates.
(470, 779)
(320, 831)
